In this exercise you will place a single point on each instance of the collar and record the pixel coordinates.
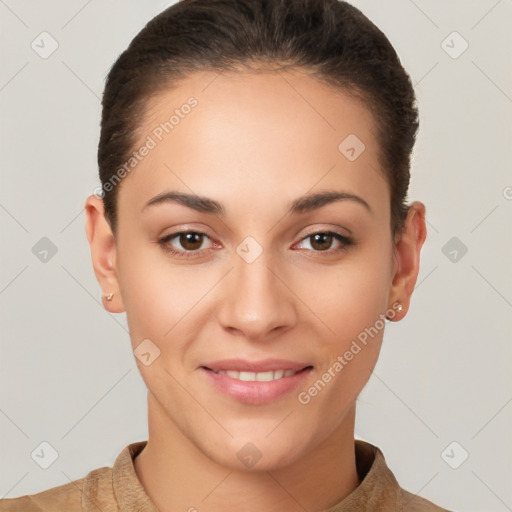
(129, 493)
(378, 489)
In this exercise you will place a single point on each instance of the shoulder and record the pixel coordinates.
(64, 497)
(68, 497)
(106, 489)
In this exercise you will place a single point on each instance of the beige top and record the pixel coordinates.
(118, 489)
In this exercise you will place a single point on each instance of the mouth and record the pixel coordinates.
(255, 383)
(257, 376)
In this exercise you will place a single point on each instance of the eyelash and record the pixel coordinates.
(164, 243)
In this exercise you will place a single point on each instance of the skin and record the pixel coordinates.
(254, 142)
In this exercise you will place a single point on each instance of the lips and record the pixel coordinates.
(255, 382)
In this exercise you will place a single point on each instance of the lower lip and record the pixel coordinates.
(256, 392)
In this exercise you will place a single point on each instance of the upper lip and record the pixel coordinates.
(265, 365)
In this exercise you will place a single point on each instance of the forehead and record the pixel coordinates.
(256, 134)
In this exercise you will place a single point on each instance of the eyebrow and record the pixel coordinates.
(302, 204)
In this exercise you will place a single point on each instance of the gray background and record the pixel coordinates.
(68, 376)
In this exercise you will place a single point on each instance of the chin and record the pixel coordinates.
(253, 454)
(259, 461)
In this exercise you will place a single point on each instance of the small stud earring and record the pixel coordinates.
(108, 296)
(399, 308)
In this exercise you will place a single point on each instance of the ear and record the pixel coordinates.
(103, 252)
(407, 257)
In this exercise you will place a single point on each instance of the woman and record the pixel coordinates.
(252, 222)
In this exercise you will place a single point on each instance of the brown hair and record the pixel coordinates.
(330, 38)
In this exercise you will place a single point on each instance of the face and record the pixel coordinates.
(249, 302)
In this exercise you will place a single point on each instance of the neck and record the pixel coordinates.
(178, 476)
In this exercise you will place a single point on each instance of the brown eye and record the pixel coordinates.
(191, 241)
(323, 240)
(187, 244)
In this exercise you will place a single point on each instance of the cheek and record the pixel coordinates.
(353, 306)
(349, 358)
(355, 292)
(165, 303)
(153, 298)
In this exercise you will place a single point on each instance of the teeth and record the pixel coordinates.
(266, 376)
(247, 376)
(257, 376)
(278, 374)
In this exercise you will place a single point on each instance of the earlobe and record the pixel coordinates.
(103, 253)
(407, 257)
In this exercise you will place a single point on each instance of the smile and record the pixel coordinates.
(255, 382)
(256, 376)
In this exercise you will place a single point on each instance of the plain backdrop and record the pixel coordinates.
(439, 402)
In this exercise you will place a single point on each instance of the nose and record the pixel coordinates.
(257, 300)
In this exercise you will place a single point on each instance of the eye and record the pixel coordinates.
(190, 241)
(322, 240)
